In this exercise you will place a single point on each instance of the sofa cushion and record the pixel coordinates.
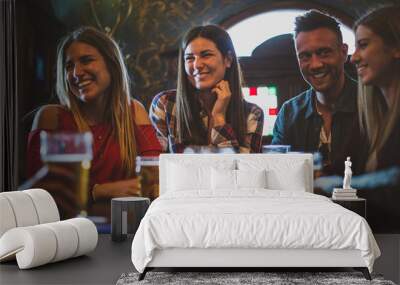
(45, 243)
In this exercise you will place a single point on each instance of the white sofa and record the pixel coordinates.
(31, 231)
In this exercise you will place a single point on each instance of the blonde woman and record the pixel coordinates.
(93, 90)
(377, 58)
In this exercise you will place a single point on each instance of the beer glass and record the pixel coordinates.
(147, 172)
(72, 151)
(317, 164)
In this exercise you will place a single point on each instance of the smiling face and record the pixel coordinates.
(205, 65)
(86, 71)
(374, 60)
(321, 59)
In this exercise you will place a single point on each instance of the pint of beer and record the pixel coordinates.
(317, 165)
(71, 151)
(147, 172)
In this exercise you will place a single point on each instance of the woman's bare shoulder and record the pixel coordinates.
(47, 117)
(141, 115)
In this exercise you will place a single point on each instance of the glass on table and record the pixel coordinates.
(317, 165)
(148, 175)
(71, 151)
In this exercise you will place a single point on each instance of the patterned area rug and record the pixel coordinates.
(269, 278)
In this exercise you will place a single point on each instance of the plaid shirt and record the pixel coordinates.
(162, 116)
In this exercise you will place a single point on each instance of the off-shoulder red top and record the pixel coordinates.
(106, 165)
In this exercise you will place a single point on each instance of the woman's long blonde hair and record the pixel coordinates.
(377, 118)
(118, 99)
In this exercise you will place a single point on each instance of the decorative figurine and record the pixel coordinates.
(347, 192)
(347, 174)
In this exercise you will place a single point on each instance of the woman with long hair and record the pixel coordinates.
(93, 89)
(207, 108)
(377, 58)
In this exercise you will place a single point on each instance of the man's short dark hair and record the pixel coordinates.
(313, 20)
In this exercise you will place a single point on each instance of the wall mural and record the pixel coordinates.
(149, 31)
(152, 61)
(123, 12)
